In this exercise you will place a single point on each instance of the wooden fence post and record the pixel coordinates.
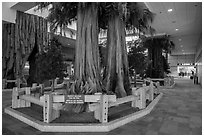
(151, 91)
(4, 83)
(158, 87)
(28, 104)
(49, 114)
(141, 101)
(18, 82)
(15, 98)
(42, 89)
(22, 103)
(104, 109)
(55, 82)
(47, 108)
(134, 102)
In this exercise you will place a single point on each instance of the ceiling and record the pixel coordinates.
(186, 17)
(23, 6)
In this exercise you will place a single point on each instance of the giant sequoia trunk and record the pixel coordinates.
(116, 73)
(30, 31)
(155, 55)
(87, 76)
(87, 51)
(8, 54)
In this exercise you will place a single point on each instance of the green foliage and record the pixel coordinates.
(50, 64)
(166, 66)
(133, 13)
(61, 14)
(137, 58)
(157, 72)
(162, 42)
(154, 72)
(157, 62)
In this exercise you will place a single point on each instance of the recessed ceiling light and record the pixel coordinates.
(179, 39)
(170, 10)
(176, 29)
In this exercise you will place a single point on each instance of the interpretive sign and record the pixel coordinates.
(74, 99)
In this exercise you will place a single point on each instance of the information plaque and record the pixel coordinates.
(74, 99)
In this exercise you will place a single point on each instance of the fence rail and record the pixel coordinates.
(99, 103)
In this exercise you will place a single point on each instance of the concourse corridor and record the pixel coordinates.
(179, 112)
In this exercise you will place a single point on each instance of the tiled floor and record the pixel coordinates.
(179, 112)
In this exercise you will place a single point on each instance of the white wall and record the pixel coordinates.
(8, 14)
(199, 71)
(175, 59)
(198, 61)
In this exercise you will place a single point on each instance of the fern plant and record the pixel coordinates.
(50, 64)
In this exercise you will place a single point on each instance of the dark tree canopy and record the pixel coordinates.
(162, 42)
(137, 58)
(50, 64)
(158, 64)
(136, 16)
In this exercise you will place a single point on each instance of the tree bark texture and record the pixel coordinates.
(87, 76)
(116, 72)
(8, 51)
(30, 30)
(87, 50)
(155, 54)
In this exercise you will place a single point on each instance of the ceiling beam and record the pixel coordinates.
(23, 6)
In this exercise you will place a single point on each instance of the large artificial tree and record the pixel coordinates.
(86, 69)
(19, 41)
(116, 70)
(114, 17)
(119, 17)
(157, 62)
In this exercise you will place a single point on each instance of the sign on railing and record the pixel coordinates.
(74, 99)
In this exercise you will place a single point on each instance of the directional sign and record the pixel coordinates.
(74, 99)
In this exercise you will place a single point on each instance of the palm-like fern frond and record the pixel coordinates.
(61, 14)
(139, 18)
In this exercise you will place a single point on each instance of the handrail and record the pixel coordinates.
(122, 100)
(32, 99)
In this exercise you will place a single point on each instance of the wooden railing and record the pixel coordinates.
(6, 81)
(99, 103)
